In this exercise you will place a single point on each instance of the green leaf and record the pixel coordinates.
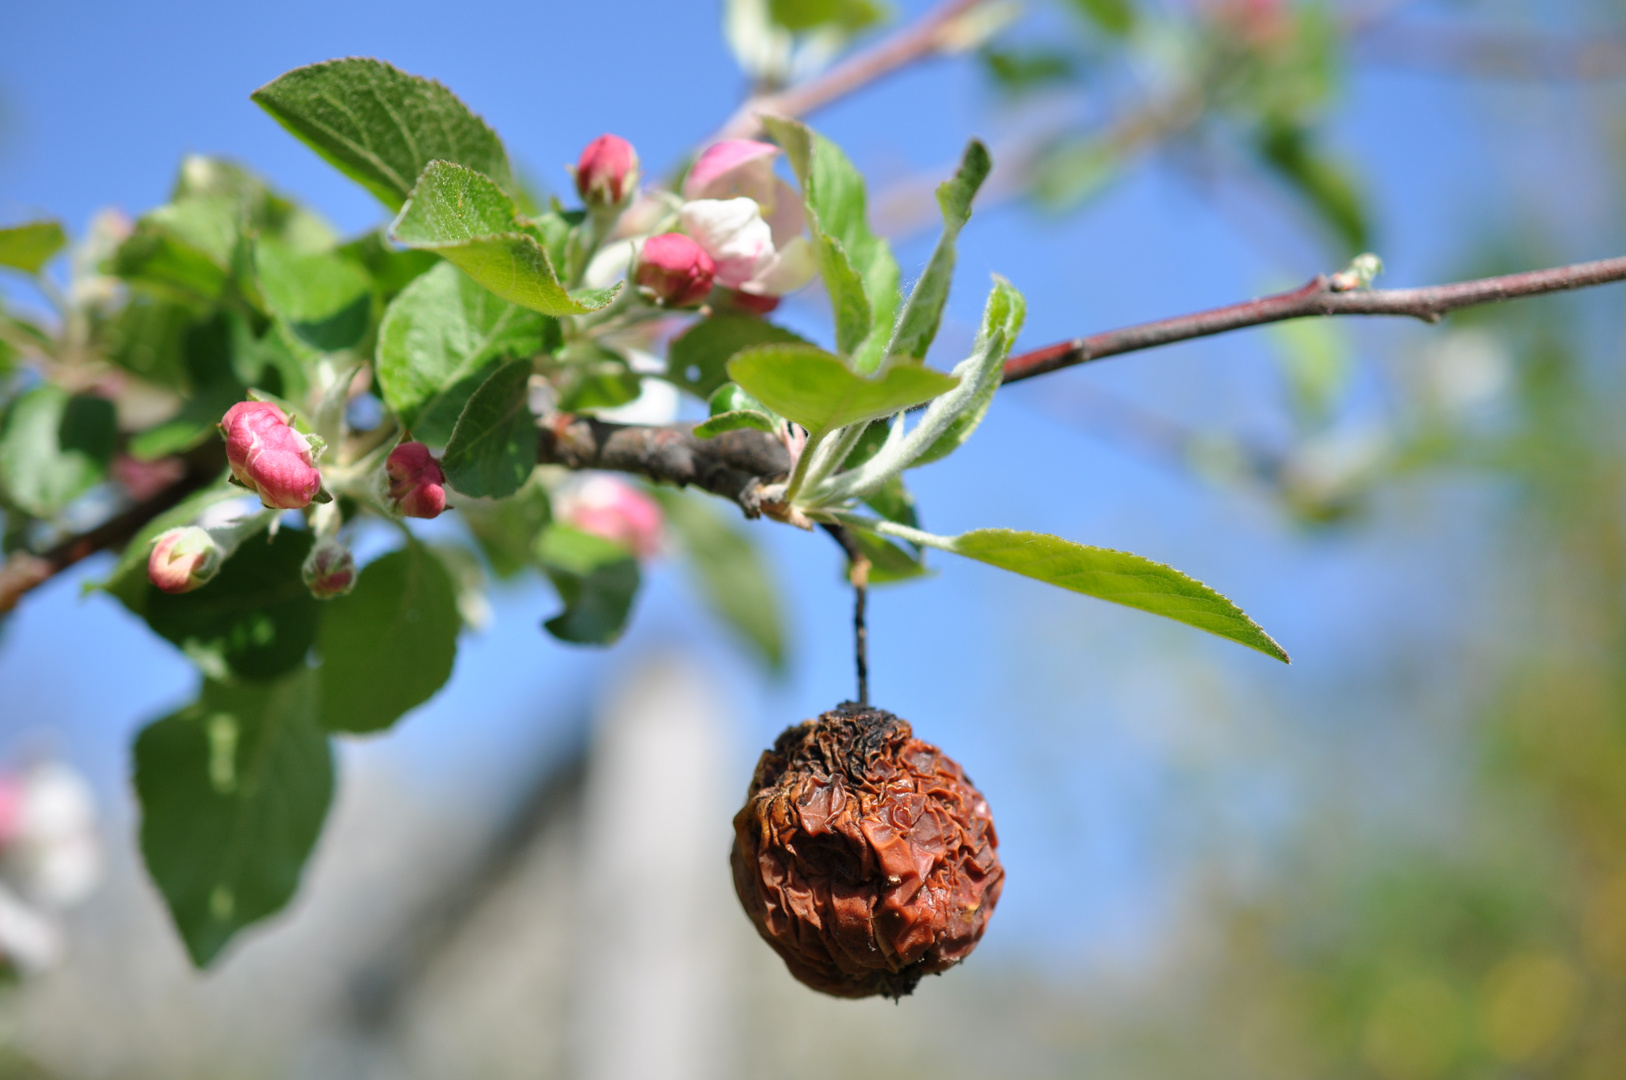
(146, 338)
(1117, 576)
(29, 247)
(54, 447)
(596, 578)
(437, 341)
(327, 301)
(182, 251)
(492, 451)
(888, 562)
(467, 219)
(1017, 72)
(982, 372)
(917, 325)
(507, 529)
(698, 359)
(730, 573)
(1116, 17)
(734, 421)
(380, 126)
(849, 252)
(388, 645)
(391, 270)
(256, 620)
(233, 791)
(1326, 185)
(818, 391)
(848, 16)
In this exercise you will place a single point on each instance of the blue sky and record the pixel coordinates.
(1083, 723)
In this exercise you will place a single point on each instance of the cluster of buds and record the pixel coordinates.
(613, 509)
(269, 456)
(417, 484)
(865, 856)
(741, 226)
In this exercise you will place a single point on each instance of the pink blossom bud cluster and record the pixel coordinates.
(417, 484)
(613, 509)
(674, 271)
(269, 457)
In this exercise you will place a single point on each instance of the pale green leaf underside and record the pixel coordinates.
(380, 126)
(464, 217)
(818, 391)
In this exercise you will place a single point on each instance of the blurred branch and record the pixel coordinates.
(23, 570)
(938, 31)
(1324, 295)
(1500, 54)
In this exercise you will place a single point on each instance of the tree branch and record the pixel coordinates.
(1324, 295)
(734, 465)
(24, 570)
(934, 32)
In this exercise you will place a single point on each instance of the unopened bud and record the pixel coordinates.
(607, 172)
(329, 570)
(416, 482)
(675, 271)
(269, 457)
(183, 559)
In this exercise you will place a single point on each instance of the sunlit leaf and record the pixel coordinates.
(30, 246)
(818, 391)
(493, 448)
(381, 126)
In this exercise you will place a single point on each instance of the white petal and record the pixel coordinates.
(609, 265)
(733, 233)
(789, 270)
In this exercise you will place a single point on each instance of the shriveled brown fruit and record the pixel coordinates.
(864, 856)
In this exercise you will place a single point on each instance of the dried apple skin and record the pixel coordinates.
(864, 855)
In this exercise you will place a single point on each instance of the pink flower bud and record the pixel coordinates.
(607, 173)
(752, 303)
(675, 270)
(269, 457)
(183, 559)
(416, 482)
(329, 570)
(614, 509)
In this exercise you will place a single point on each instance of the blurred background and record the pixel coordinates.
(1402, 857)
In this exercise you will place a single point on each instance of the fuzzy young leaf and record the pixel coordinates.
(848, 16)
(233, 791)
(917, 325)
(493, 448)
(698, 359)
(387, 646)
(464, 217)
(28, 247)
(857, 266)
(729, 572)
(1002, 319)
(326, 301)
(54, 446)
(818, 391)
(256, 620)
(596, 578)
(438, 340)
(380, 126)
